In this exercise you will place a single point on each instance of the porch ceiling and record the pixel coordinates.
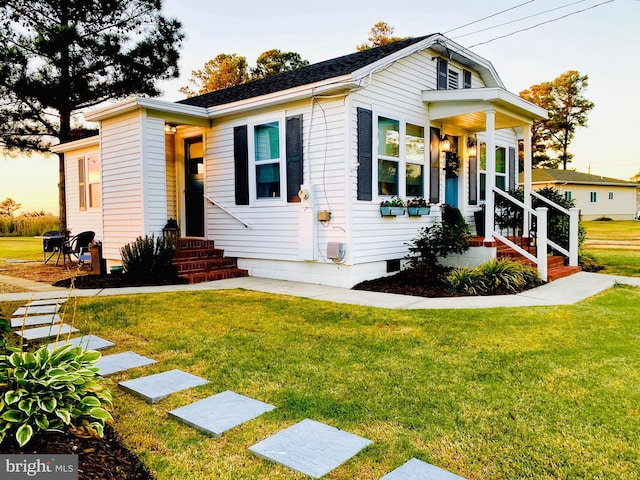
(466, 108)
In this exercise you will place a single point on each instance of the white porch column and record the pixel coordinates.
(490, 170)
(526, 176)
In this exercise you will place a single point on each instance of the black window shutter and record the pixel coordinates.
(294, 157)
(434, 166)
(467, 79)
(241, 164)
(443, 70)
(365, 154)
(512, 168)
(473, 180)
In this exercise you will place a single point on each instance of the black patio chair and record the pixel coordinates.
(76, 245)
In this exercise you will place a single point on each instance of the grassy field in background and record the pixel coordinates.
(616, 245)
(20, 248)
(536, 393)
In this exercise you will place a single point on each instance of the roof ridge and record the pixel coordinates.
(316, 72)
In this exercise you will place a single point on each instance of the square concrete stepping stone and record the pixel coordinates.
(416, 469)
(217, 414)
(47, 301)
(35, 320)
(118, 362)
(154, 388)
(88, 342)
(49, 331)
(35, 310)
(310, 447)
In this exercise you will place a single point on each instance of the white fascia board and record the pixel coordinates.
(88, 142)
(498, 96)
(335, 85)
(134, 103)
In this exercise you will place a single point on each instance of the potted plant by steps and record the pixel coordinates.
(392, 207)
(416, 207)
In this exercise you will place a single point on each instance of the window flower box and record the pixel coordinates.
(392, 208)
(417, 207)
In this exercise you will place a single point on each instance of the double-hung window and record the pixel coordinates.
(89, 184)
(400, 158)
(501, 169)
(268, 160)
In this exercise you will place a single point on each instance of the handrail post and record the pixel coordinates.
(541, 242)
(574, 217)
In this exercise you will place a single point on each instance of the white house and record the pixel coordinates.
(287, 173)
(596, 196)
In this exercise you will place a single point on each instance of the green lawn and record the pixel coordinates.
(22, 248)
(535, 393)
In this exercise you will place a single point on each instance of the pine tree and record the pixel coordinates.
(60, 57)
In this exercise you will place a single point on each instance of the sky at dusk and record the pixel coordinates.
(531, 42)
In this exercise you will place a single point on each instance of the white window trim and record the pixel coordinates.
(87, 183)
(402, 157)
(253, 193)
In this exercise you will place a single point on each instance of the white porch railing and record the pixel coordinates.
(225, 210)
(520, 217)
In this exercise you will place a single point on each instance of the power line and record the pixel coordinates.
(541, 23)
(516, 20)
(489, 16)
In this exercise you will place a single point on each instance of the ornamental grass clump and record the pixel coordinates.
(52, 390)
(493, 277)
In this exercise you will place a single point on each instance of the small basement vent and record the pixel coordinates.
(336, 251)
(393, 265)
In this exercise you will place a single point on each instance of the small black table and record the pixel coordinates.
(52, 246)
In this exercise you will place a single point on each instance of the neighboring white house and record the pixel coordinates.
(594, 195)
(287, 173)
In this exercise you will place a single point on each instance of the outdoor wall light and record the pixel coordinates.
(170, 128)
(472, 149)
(445, 144)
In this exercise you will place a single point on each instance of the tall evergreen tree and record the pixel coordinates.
(59, 57)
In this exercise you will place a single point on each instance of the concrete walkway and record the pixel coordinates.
(564, 291)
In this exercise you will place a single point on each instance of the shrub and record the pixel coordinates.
(494, 276)
(438, 241)
(589, 263)
(148, 259)
(48, 390)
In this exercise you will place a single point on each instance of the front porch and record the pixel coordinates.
(478, 116)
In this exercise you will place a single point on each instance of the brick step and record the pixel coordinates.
(214, 275)
(198, 260)
(197, 253)
(559, 272)
(195, 243)
(203, 265)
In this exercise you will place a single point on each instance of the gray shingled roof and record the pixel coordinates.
(549, 175)
(302, 76)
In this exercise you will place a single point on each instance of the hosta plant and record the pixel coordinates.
(52, 390)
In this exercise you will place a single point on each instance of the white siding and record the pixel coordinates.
(122, 192)
(274, 232)
(172, 181)
(621, 207)
(80, 220)
(397, 92)
(154, 176)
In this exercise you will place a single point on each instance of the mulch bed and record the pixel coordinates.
(98, 458)
(112, 281)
